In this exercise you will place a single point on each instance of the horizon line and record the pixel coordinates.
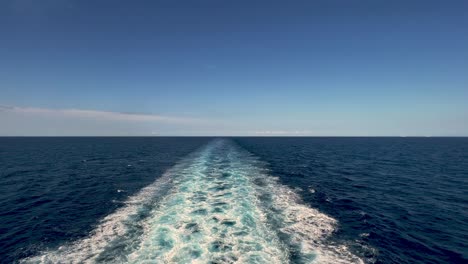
(227, 136)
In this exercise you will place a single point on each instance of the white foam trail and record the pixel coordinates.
(212, 215)
(306, 228)
(217, 206)
(112, 227)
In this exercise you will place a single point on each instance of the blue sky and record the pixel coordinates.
(325, 68)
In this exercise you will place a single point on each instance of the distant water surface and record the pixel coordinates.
(244, 200)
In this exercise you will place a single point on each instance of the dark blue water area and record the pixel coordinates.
(55, 190)
(397, 200)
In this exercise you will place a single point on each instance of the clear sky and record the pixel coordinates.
(331, 67)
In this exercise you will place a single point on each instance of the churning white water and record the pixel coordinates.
(219, 205)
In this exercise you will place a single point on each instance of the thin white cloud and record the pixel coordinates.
(100, 115)
(283, 133)
(34, 121)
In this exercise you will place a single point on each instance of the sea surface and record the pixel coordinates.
(233, 200)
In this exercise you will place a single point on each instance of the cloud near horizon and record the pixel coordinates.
(283, 132)
(35, 121)
(27, 121)
(100, 115)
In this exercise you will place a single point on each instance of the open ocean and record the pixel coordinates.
(233, 200)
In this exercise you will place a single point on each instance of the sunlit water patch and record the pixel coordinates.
(217, 206)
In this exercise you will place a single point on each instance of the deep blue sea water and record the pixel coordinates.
(234, 200)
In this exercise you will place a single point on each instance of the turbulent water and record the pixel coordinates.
(235, 200)
(217, 206)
